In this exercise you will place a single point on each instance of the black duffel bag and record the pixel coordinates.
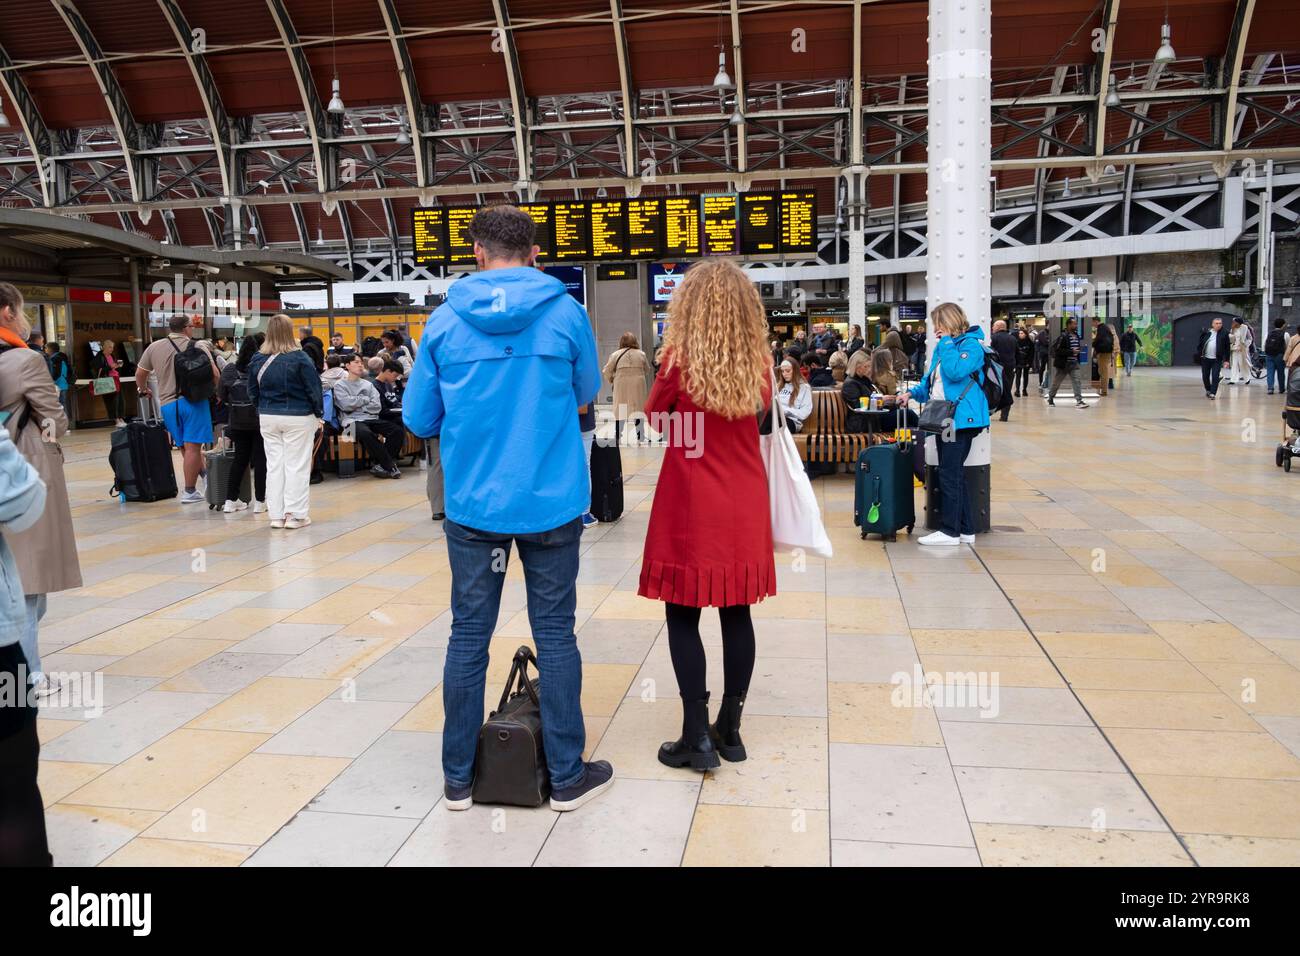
(510, 766)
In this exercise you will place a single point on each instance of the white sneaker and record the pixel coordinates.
(259, 507)
(277, 522)
(938, 537)
(294, 523)
(47, 686)
(192, 497)
(967, 539)
(230, 507)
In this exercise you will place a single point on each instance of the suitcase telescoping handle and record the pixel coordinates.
(519, 666)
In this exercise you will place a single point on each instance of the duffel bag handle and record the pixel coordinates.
(519, 666)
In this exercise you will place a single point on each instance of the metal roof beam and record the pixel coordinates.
(141, 171)
(416, 115)
(39, 140)
(315, 119)
(1230, 70)
(626, 87)
(515, 80)
(206, 84)
(1108, 18)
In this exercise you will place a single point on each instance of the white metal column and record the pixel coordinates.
(957, 179)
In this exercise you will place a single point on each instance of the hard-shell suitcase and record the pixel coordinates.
(606, 482)
(883, 498)
(140, 454)
(218, 463)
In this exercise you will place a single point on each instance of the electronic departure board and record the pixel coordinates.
(799, 221)
(645, 224)
(460, 247)
(760, 224)
(571, 222)
(541, 216)
(429, 234)
(608, 229)
(681, 227)
(720, 226)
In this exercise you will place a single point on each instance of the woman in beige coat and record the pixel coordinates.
(47, 551)
(627, 369)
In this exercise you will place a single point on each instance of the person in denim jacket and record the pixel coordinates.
(22, 817)
(958, 361)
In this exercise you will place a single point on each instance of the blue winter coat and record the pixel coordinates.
(957, 360)
(499, 374)
(22, 499)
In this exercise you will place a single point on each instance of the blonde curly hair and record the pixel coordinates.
(717, 334)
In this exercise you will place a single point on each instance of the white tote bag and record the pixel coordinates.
(796, 518)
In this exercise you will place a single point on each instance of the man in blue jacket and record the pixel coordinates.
(502, 368)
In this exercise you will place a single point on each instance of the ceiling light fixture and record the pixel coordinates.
(1112, 95)
(737, 117)
(722, 81)
(403, 135)
(4, 120)
(1065, 193)
(1165, 52)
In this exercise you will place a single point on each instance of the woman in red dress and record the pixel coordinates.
(709, 543)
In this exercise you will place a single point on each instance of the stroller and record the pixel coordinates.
(1290, 446)
(1257, 366)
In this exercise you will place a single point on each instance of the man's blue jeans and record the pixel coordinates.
(1130, 359)
(478, 570)
(1276, 367)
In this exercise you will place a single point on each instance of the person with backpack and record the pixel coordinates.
(504, 365)
(1103, 346)
(957, 367)
(61, 372)
(243, 428)
(1129, 343)
(187, 380)
(1003, 344)
(1065, 361)
(1042, 358)
(1274, 352)
(46, 552)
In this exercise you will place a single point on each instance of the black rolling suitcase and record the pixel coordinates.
(140, 455)
(606, 482)
(219, 463)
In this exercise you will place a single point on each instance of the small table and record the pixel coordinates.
(878, 419)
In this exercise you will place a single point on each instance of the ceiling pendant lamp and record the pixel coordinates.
(4, 120)
(336, 102)
(1112, 95)
(1165, 53)
(722, 81)
(737, 117)
(1065, 193)
(403, 134)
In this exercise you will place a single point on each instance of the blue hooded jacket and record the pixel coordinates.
(499, 374)
(957, 360)
(22, 499)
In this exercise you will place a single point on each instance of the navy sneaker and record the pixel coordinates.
(598, 778)
(589, 519)
(457, 798)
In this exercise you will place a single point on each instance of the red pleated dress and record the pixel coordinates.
(709, 543)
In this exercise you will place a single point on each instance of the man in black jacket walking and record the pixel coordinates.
(1212, 351)
(1004, 344)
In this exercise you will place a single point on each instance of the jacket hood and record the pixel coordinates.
(974, 332)
(503, 301)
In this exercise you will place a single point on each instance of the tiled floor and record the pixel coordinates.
(1130, 635)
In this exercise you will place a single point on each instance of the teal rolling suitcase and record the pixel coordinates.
(883, 497)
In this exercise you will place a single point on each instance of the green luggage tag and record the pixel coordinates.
(873, 515)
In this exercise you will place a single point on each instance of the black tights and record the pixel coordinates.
(687, 649)
(249, 450)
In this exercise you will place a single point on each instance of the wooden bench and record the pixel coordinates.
(333, 449)
(824, 438)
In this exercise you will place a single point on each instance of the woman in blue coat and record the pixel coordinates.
(958, 360)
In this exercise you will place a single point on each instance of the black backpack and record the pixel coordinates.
(193, 371)
(243, 413)
(992, 383)
(1275, 344)
(1105, 341)
(370, 346)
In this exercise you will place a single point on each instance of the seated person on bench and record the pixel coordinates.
(358, 403)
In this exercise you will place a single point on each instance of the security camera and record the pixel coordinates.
(1052, 269)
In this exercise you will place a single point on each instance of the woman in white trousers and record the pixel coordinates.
(283, 383)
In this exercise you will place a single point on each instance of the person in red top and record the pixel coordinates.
(709, 543)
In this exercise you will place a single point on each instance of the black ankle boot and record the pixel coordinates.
(726, 732)
(694, 749)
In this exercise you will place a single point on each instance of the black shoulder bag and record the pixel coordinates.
(510, 766)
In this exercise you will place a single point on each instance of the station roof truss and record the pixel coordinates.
(210, 112)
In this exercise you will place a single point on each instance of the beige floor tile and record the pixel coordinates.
(169, 770)
(865, 615)
(786, 765)
(1108, 646)
(1164, 676)
(266, 706)
(85, 836)
(603, 687)
(48, 729)
(1226, 805)
(130, 638)
(1212, 849)
(1161, 710)
(124, 584)
(1212, 643)
(628, 606)
(1006, 671)
(1262, 688)
(1288, 651)
(758, 836)
(794, 606)
(58, 778)
(861, 853)
(144, 851)
(167, 658)
(248, 803)
(425, 716)
(990, 643)
(882, 714)
(1008, 845)
(631, 741)
(1206, 753)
